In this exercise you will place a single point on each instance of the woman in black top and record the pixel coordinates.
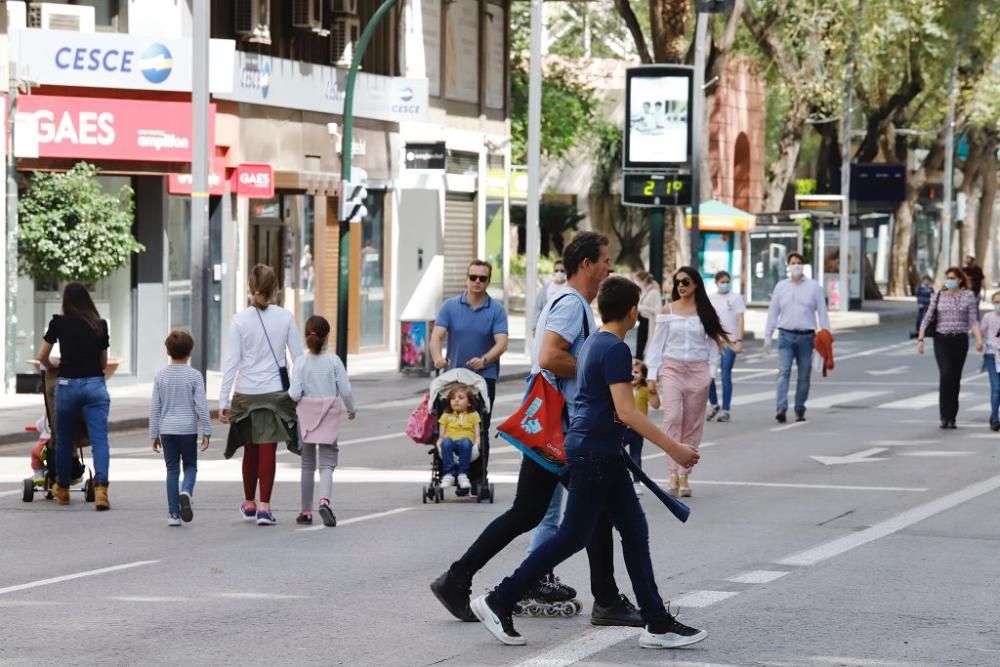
(83, 345)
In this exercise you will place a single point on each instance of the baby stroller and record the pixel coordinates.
(481, 489)
(45, 451)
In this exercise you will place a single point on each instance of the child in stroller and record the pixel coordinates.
(472, 387)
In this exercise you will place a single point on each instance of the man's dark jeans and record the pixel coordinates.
(531, 500)
(599, 485)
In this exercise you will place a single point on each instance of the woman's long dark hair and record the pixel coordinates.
(76, 302)
(706, 311)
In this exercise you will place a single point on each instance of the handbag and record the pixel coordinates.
(931, 329)
(537, 427)
(282, 370)
(420, 425)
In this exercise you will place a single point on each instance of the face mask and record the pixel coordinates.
(559, 276)
(725, 288)
(996, 307)
(796, 270)
(950, 283)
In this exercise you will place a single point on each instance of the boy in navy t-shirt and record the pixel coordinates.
(599, 480)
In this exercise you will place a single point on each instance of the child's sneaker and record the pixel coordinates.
(463, 482)
(447, 480)
(723, 416)
(304, 519)
(248, 511)
(712, 412)
(325, 513)
(500, 626)
(174, 520)
(265, 518)
(186, 512)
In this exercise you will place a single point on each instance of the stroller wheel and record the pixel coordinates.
(88, 490)
(424, 495)
(491, 494)
(438, 495)
(28, 493)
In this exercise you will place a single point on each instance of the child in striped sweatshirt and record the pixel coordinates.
(178, 414)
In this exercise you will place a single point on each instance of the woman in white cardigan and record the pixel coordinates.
(650, 302)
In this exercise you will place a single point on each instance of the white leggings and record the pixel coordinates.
(326, 458)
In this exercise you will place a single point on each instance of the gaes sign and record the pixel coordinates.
(253, 180)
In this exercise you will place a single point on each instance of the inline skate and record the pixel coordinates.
(549, 597)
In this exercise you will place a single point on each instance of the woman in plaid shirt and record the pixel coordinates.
(955, 312)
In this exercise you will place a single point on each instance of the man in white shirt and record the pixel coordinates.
(796, 305)
(554, 285)
(731, 308)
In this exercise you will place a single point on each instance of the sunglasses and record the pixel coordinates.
(478, 279)
(683, 282)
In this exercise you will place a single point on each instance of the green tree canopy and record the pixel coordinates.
(69, 229)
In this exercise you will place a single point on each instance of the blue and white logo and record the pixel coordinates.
(265, 79)
(156, 62)
(406, 94)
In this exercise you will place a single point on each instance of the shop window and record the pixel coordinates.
(372, 291)
(106, 12)
(179, 262)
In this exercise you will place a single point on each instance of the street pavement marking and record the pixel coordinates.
(357, 519)
(937, 453)
(985, 436)
(919, 402)
(757, 577)
(903, 443)
(788, 427)
(747, 399)
(844, 398)
(781, 485)
(892, 525)
(78, 575)
(577, 649)
(9, 493)
(701, 599)
(374, 438)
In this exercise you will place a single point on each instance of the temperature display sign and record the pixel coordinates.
(657, 189)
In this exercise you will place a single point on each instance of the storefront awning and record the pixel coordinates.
(714, 216)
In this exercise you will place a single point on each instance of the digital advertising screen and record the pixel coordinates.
(658, 126)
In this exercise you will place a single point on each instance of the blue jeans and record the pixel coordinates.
(797, 347)
(598, 482)
(634, 442)
(175, 448)
(550, 522)
(88, 396)
(449, 448)
(728, 361)
(991, 369)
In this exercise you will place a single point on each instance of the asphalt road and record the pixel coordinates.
(881, 552)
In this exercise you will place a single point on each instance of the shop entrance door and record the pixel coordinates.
(267, 240)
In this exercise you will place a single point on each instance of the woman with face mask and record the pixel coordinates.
(954, 312)
(990, 329)
(731, 308)
(650, 303)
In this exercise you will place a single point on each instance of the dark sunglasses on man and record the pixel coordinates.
(478, 279)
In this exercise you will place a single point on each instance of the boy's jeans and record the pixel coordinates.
(728, 361)
(598, 480)
(991, 368)
(798, 347)
(88, 396)
(449, 448)
(176, 448)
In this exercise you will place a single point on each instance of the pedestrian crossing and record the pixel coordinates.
(970, 401)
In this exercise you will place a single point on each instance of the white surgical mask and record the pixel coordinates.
(796, 270)
(559, 276)
(996, 307)
(725, 288)
(950, 283)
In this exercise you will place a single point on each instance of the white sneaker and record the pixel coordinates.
(723, 416)
(463, 482)
(447, 480)
(676, 636)
(174, 520)
(712, 412)
(638, 488)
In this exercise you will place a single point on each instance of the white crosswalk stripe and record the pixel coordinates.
(920, 402)
(844, 398)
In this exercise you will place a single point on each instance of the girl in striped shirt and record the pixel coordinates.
(178, 413)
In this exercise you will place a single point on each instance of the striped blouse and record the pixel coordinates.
(179, 405)
(955, 314)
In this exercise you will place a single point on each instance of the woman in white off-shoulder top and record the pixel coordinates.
(686, 344)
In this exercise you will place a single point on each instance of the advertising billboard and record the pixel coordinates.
(658, 117)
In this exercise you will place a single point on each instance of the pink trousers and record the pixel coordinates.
(683, 388)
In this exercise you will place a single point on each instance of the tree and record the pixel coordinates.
(629, 224)
(69, 229)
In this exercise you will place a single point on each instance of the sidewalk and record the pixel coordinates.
(890, 309)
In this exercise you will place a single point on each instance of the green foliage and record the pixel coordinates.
(69, 229)
(519, 265)
(569, 108)
(555, 220)
(805, 186)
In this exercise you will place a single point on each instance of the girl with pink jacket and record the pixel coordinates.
(321, 387)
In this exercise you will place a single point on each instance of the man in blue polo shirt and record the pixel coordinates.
(476, 328)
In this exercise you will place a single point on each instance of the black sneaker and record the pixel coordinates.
(325, 513)
(670, 633)
(995, 426)
(952, 425)
(453, 592)
(547, 590)
(186, 512)
(556, 582)
(621, 613)
(304, 519)
(781, 417)
(800, 416)
(500, 624)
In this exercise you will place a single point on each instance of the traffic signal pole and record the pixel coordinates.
(343, 288)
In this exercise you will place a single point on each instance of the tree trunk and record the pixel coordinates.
(829, 160)
(783, 168)
(986, 222)
(902, 240)
(671, 242)
(669, 20)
